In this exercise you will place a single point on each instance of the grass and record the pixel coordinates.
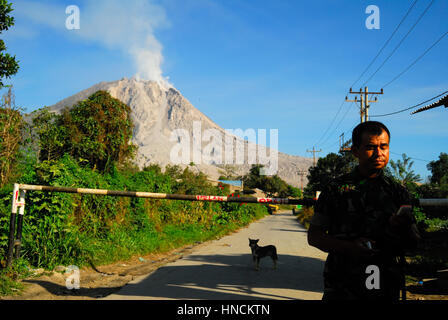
(9, 278)
(305, 215)
(9, 286)
(431, 256)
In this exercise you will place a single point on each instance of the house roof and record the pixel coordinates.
(442, 101)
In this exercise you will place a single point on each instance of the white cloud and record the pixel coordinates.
(128, 26)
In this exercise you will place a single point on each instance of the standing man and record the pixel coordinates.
(358, 222)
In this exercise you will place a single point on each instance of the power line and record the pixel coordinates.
(365, 70)
(339, 123)
(332, 121)
(400, 154)
(399, 44)
(328, 146)
(388, 57)
(409, 108)
(386, 43)
(416, 60)
(365, 102)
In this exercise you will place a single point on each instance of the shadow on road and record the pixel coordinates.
(290, 230)
(230, 277)
(60, 290)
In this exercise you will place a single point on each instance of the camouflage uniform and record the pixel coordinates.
(352, 207)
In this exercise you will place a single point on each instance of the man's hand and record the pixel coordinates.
(361, 248)
(404, 220)
(358, 248)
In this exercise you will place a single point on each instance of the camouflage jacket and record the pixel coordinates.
(352, 207)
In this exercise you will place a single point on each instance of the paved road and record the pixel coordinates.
(223, 269)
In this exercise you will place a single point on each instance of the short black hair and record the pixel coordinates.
(372, 127)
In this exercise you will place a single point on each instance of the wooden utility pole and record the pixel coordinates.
(314, 155)
(342, 143)
(301, 174)
(365, 102)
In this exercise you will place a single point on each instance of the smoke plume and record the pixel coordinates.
(128, 26)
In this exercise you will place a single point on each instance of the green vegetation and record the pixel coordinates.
(74, 229)
(272, 185)
(97, 130)
(402, 170)
(327, 168)
(88, 146)
(11, 129)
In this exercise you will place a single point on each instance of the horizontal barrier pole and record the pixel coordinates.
(433, 202)
(151, 195)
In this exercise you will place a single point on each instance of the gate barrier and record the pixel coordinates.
(18, 201)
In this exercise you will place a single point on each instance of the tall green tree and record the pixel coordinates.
(97, 130)
(50, 135)
(272, 185)
(402, 170)
(254, 179)
(275, 186)
(328, 168)
(11, 126)
(439, 169)
(8, 64)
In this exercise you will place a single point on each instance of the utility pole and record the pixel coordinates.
(301, 174)
(365, 102)
(314, 155)
(342, 143)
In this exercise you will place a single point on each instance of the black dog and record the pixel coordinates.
(261, 252)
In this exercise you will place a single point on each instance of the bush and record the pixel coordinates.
(61, 228)
(97, 129)
(305, 215)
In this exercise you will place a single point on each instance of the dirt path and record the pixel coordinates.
(94, 284)
(224, 270)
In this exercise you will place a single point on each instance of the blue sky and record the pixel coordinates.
(285, 65)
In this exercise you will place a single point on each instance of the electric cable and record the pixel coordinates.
(386, 43)
(399, 44)
(365, 70)
(409, 108)
(416, 60)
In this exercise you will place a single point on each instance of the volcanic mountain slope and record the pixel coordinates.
(168, 126)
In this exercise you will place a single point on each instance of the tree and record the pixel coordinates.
(328, 168)
(401, 170)
(439, 169)
(50, 135)
(273, 186)
(98, 129)
(11, 126)
(254, 179)
(8, 63)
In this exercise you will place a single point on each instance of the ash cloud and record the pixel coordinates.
(128, 26)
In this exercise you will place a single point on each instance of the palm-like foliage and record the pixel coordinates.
(401, 170)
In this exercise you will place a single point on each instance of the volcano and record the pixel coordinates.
(160, 113)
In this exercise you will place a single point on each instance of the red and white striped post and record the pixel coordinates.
(15, 238)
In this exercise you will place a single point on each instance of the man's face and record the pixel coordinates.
(373, 152)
